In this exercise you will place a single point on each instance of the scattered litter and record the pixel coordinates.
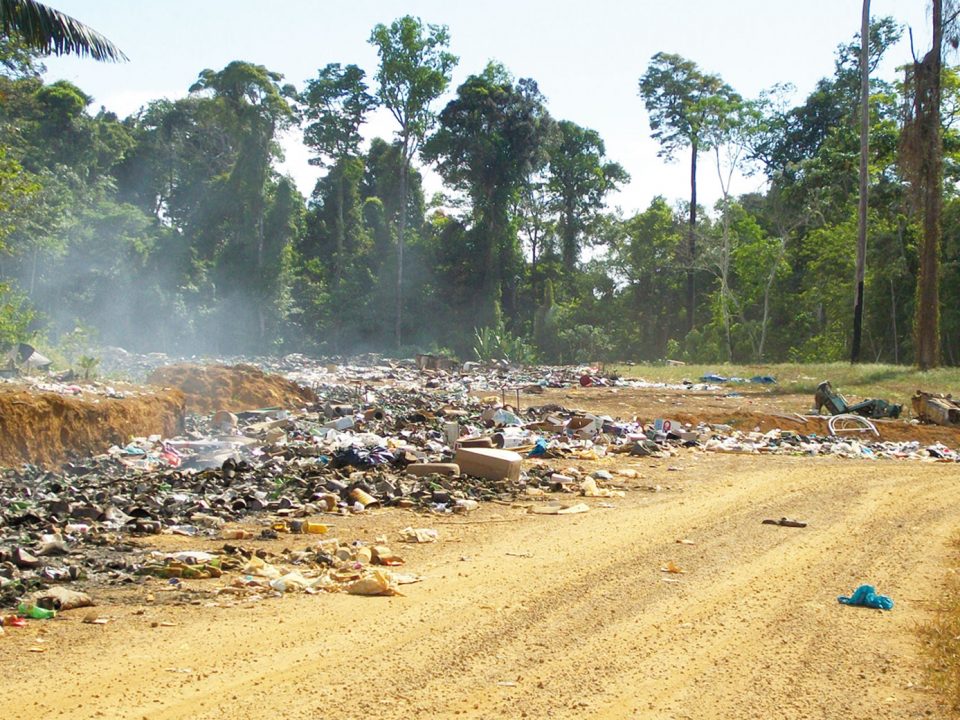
(358, 437)
(557, 509)
(785, 522)
(866, 596)
(378, 582)
(418, 535)
(589, 489)
(673, 569)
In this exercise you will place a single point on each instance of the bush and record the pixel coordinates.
(496, 343)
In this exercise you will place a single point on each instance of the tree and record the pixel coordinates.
(533, 208)
(864, 177)
(50, 31)
(728, 125)
(922, 157)
(414, 70)
(677, 94)
(647, 259)
(248, 104)
(336, 104)
(490, 136)
(580, 178)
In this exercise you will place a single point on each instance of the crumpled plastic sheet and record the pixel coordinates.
(866, 596)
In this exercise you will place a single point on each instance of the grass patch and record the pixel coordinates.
(895, 383)
(940, 639)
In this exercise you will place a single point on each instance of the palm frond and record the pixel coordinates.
(50, 31)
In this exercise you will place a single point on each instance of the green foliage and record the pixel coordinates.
(51, 31)
(681, 101)
(88, 367)
(16, 187)
(579, 180)
(414, 70)
(490, 134)
(16, 316)
(336, 102)
(584, 344)
(497, 343)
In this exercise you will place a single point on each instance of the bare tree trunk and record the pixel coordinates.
(692, 240)
(33, 270)
(401, 236)
(928, 290)
(766, 298)
(533, 270)
(864, 149)
(338, 258)
(893, 318)
(725, 294)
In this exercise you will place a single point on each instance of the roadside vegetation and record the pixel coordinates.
(941, 637)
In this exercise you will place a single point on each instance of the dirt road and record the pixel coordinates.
(534, 616)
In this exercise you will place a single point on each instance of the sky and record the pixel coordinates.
(586, 57)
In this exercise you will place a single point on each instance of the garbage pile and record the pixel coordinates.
(378, 435)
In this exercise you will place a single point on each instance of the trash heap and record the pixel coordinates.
(378, 435)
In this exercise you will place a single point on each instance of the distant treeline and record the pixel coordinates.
(172, 230)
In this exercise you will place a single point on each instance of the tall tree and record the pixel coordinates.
(580, 178)
(51, 31)
(727, 130)
(922, 154)
(648, 260)
(534, 210)
(336, 104)
(414, 70)
(677, 97)
(490, 137)
(249, 104)
(864, 157)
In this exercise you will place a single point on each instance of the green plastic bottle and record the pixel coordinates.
(36, 612)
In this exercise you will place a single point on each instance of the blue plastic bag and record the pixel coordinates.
(539, 448)
(866, 596)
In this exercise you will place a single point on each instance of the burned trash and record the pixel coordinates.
(936, 408)
(836, 404)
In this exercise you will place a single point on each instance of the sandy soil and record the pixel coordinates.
(209, 388)
(523, 615)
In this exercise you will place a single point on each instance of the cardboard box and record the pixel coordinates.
(489, 463)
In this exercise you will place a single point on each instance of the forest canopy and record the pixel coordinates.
(173, 230)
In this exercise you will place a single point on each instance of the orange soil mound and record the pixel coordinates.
(209, 388)
(46, 428)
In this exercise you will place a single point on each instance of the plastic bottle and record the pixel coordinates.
(35, 611)
(315, 528)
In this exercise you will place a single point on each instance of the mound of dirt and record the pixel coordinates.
(209, 388)
(46, 428)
